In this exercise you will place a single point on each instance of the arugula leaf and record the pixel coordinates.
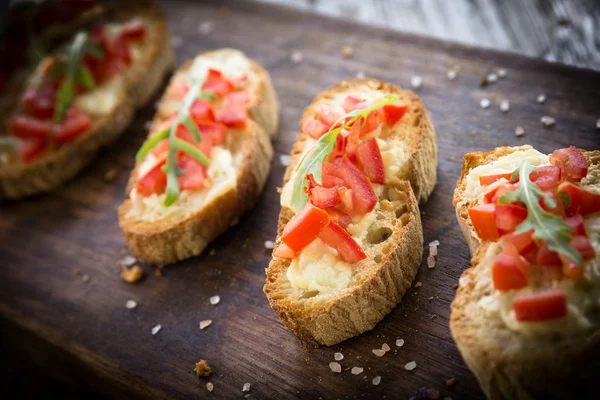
(546, 226)
(312, 162)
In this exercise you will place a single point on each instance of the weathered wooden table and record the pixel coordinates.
(83, 332)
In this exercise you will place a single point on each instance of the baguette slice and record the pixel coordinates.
(140, 82)
(185, 228)
(510, 364)
(394, 241)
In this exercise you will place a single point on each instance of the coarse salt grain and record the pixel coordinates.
(377, 380)
(385, 347)
(519, 131)
(214, 300)
(296, 57)
(491, 78)
(246, 387)
(131, 304)
(126, 261)
(205, 323)
(378, 352)
(269, 244)
(502, 73)
(400, 342)
(434, 243)
(433, 251)
(484, 103)
(206, 27)
(541, 98)
(547, 120)
(504, 105)
(210, 387)
(338, 356)
(156, 329)
(335, 367)
(357, 370)
(410, 366)
(360, 75)
(285, 159)
(416, 82)
(451, 74)
(430, 261)
(598, 124)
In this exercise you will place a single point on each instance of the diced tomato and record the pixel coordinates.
(40, 102)
(521, 241)
(346, 198)
(29, 127)
(547, 257)
(201, 110)
(364, 198)
(370, 161)
(392, 113)
(582, 201)
(116, 47)
(336, 237)
(350, 103)
(558, 209)
(489, 179)
(212, 131)
(546, 177)
(339, 149)
(133, 30)
(155, 181)
(30, 148)
(352, 142)
(340, 217)
(315, 128)
(541, 306)
(161, 148)
(483, 218)
(75, 123)
(235, 112)
(573, 163)
(323, 197)
(219, 88)
(369, 125)
(327, 177)
(304, 227)
(283, 251)
(576, 224)
(97, 34)
(214, 75)
(509, 216)
(583, 245)
(509, 270)
(194, 175)
(494, 195)
(327, 115)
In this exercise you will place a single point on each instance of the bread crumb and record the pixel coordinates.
(202, 369)
(132, 274)
(212, 252)
(519, 131)
(111, 174)
(455, 286)
(418, 284)
(210, 387)
(158, 272)
(85, 278)
(449, 381)
(347, 51)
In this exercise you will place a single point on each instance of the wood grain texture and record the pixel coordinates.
(45, 238)
(567, 31)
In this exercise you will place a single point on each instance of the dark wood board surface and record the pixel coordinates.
(85, 327)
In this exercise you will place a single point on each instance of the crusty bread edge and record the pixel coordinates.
(509, 365)
(141, 82)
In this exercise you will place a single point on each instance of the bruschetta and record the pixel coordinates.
(349, 236)
(81, 98)
(206, 159)
(526, 317)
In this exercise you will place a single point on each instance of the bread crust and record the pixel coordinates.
(508, 364)
(381, 280)
(141, 81)
(166, 241)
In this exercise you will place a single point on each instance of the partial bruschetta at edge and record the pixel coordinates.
(526, 317)
(349, 236)
(206, 159)
(81, 97)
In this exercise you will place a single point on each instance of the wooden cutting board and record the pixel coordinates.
(83, 331)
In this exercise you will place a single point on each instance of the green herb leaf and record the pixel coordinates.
(191, 126)
(546, 226)
(85, 78)
(312, 162)
(205, 95)
(150, 143)
(192, 151)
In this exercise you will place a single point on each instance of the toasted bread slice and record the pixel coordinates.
(139, 82)
(553, 361)
(393, 241)
(162, 235)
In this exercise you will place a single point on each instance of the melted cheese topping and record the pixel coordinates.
(583, 297)
(231, 63)
(222, 175)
